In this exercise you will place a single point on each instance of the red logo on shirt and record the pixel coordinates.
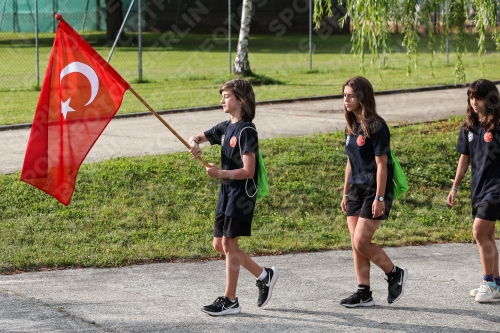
(361, 140)
(488, 136)
(232, 143)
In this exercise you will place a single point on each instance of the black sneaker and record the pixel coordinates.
(222, 306)
(359, 298)
(266, 286)
(397, 283)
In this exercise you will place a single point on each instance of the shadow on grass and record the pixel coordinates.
(263, 80)
(255, 80)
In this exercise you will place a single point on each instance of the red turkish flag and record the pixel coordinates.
(80, 94)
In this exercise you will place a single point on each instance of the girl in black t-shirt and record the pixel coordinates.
(237, 195)
(368, 190)
(479, 145)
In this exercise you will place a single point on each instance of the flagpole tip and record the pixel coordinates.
(58, 17)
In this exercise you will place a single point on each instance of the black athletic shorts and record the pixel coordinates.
(487, 210)
(361, 199)
(230, 227)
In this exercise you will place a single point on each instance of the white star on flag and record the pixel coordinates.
(65, 108)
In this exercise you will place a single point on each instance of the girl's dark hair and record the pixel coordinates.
(243, 91)
(487, 90)
(364, 92)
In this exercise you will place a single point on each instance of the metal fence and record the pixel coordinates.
(180, 39)
(20, 15)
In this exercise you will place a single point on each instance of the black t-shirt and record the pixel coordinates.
(362, 151)
(484, 151)
(236, 197)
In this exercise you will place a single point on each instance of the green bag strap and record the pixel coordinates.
(246, 183)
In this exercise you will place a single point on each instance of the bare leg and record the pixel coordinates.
(217, 244)
(361, 263)
(236, 257)
(362, 241)
(249, 264)
(484, 233)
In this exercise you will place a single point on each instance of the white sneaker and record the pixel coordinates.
(474, 292)
(487, 291)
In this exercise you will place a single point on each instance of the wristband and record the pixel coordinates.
(454, 189)
(345, 195)
(194, 141)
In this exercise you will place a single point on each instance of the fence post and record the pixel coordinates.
(36, 45)
(14, 15)
(54, 12)
(139, 37)
(447, 50)
(119, 32)
(3, 12)
(85, 16)
(229, 33)
(98, 15)
(310, 36)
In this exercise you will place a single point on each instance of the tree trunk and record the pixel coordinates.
(114, 19)
(241, 64)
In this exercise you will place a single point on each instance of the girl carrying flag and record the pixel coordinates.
(237, 195)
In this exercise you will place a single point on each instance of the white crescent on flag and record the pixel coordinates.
(89, 73)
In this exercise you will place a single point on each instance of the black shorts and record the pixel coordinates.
(230, 227)
(486, 210)
(361, 199)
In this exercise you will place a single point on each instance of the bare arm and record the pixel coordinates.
(194, 141)
(381, 174)
(379, 206)
(343, 204)
(246, 172)
(463, 165)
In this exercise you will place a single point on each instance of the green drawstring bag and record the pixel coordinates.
(400, 182)
(262, 183)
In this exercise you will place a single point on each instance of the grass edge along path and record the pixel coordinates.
(160, 208)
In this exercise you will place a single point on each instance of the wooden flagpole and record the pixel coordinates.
(168, 126)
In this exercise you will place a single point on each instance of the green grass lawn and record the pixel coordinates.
(161, 208)
(190, 73)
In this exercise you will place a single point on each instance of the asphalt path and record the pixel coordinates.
(167, 297)
(146, 135)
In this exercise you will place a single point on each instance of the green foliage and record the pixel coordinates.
(373, 20)
(320, 9)
(458, 19)
(409, 21)
(366, 31)
(486, 18)
(161, 208)
(429, 7)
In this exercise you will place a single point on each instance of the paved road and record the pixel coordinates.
(167, 297)
(148, 136)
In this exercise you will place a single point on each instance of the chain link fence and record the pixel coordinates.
(180, 39)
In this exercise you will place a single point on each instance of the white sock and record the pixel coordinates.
(262, 275)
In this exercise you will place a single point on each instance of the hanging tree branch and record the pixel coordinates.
(373, 20)
(458, 19)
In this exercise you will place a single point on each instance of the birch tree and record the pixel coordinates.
(241, 64)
